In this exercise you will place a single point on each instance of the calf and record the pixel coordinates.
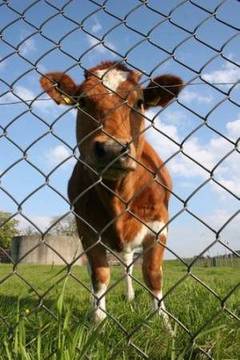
(119, 188)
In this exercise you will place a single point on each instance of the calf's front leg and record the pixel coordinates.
(100, 276)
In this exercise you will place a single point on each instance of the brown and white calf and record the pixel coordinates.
(119, 188)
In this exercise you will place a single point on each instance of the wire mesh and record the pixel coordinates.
(61, 18)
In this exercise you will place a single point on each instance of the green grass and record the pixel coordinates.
(54, 320)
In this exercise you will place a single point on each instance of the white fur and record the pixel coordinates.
(152, 228)
(128, 259)
(161, 307)
(100, 305)
(112, 78)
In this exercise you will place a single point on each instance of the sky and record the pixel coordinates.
(154, 37)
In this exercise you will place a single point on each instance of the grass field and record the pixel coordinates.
(53, 320)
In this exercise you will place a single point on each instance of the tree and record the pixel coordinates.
(8, 229)
(65, 226)
(29, 231)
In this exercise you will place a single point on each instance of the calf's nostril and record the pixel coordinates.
(109, 150)
(99, 149)
(124, 152)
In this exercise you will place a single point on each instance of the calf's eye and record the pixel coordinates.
(82, 103)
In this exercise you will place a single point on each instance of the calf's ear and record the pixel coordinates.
(60, 87)
(161, 90)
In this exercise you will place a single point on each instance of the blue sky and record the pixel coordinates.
(153, 52)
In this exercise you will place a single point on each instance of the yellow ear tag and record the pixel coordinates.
(67, 100)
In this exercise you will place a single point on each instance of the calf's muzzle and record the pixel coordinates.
(113, 155)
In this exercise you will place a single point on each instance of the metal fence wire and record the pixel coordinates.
(58, 17)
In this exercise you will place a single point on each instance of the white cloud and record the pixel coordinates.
(188, 96)
(229, 174)
(228, 73)
(97, 26)
(95, 30)
(175, 117)
(233, 128)
(169, 129)
(208, 154)
(100, 48)
(164, 146)
(24, 93)
(179, 165)
(21, 91)
(92, 41)
(232, 185)
(58, 154)
(27, 46)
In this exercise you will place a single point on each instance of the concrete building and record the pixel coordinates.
(54, 250)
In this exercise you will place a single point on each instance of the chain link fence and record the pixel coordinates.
(197, 40)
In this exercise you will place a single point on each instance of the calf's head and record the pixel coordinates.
(110, 121)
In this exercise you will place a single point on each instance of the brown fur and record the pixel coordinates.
(152, 262)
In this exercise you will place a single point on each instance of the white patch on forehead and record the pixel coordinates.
(112, 78)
